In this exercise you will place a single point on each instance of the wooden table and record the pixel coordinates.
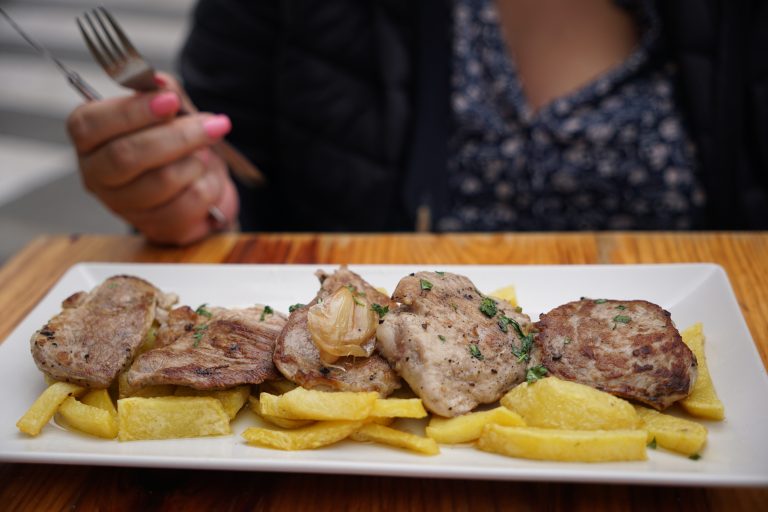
(26, 278)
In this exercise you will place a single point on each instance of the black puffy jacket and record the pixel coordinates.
(344, 105)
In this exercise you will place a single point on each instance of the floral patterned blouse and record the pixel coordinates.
(611, 155)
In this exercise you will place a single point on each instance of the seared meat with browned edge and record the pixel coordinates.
(98, 333)
(629, 348)
(210, 348)
(298, 359)
(454, 346)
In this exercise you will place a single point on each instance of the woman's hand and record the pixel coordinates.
(153, 169)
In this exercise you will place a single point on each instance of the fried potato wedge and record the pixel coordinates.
(87, 418)
(100, 398)
(703, 401)
(506, 293)
(556, 403)
(385, 435)
(232, 399)
(306, 404)
(43, 409)
(467, 428)
(564, 445)
(322, 433)
(398, 408)
(170, 417)
(276, 420)
(673, 433)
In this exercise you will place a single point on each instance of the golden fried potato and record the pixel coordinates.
(398, 408)
(87, 418)
(564, 445)
(43, 409)
(232, 399)
(276, 420)
(467, 428)
(305, 404)
(673, 433)
(393, 437)
(320, 434)
(100, 398)
(703, 401)
(170, 417)
(556, 403)
(506, 293)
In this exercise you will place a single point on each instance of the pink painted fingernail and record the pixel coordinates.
(164, 104)
(217, 126)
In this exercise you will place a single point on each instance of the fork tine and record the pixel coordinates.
(119, 31)
(108, 56)
(108, 35)
(91, 46)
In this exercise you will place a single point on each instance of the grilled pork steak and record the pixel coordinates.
(298, 359)
(627, 348)
(98, 333)
(455, 347)
(215, 349)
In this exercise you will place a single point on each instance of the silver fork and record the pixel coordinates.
(116, 54)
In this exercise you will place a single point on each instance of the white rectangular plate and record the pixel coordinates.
(736, 453)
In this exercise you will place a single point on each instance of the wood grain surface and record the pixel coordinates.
(28, 276)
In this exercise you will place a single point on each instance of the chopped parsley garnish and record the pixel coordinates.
(380, 310)
(357, 301)
(294, 307)
(652, 444)
(425, 285)
(475, 352)
(504, 322)
(267, 311)
(440, 273)
(202, 311)
(526, 341)
(441, 337)
(601, 301)
(621, 307)
(518, 309)
(620, 319)
(536, 373)
(488, 307)
(199, 330)
(695, 456)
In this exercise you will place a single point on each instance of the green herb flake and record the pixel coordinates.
(380, 310)
(202, 311)
(440, 273)
(536, 373)
(504, 322)
(488, 307)
(425, 285)
(518, 309)
(199, 330)
(695, 456)
(526, 342)
(441, 337)
(267, 311)
(357, 301)
(621, 319)
(475, 352)
(621, 307)
(294, 307)
(601, 301)
(652, 444)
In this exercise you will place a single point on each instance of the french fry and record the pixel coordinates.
(232, 399)
(384, 435)
(276, 420)
(564, 445)
(304, 404)
(398, 408)
(467, 428)
(89, 419)
(556, 403)
(673, 433)
(43, 409)
(100, 398)
(703, 401)
(170, 417)
(322, 433)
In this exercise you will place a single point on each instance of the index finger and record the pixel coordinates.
(92, 124)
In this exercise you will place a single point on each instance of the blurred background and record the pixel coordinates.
(40, 190)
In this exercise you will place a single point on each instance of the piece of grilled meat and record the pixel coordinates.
(627, 348)
(98, 333)
(455, 347)
(298, 359)
(210, 348)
